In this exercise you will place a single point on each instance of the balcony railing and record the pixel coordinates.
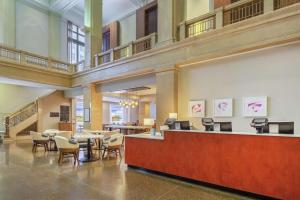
(242, 10)
(283, 3)
(23, 57)
(238, 11)
(198, 25)
(127, 50)
(122, 51)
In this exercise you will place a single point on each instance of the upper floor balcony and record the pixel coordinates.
(235, 12)
(200, 34)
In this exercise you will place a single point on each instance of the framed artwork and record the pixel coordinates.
(197, 108)
(86, 115)
(223, 107)
(255, 106)
(54, 114)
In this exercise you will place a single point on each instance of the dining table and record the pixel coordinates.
(88, 137)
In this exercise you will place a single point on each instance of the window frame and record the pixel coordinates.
(74, 40)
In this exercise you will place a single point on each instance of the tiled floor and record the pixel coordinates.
(25, 176)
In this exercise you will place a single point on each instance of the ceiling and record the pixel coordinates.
(112, 9)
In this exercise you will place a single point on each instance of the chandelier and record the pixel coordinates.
(128, 101)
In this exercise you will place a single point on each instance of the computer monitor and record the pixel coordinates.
(286, 127)
(208, 123)
(226, 126)
(180, 125)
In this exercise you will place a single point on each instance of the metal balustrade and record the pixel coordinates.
(23, 114)
(243, 11)
(283, 3)
(200, 26)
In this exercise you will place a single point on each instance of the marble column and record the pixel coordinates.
(8, 22)
(54, 35)
(93, 30)
(166, 94)
(170, 14)
(92, 99)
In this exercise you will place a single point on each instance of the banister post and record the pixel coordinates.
(182, 30)
(50, 63)
(71, 68)
(96, 60)
(111, 55)
(130, 49)
(22, 57)
(268, 5)
(153, 40)
(219, 17)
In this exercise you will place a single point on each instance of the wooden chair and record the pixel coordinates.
(114, 145)
(66, 148)
(39, 141)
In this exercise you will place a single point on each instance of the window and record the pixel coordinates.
(106, 41)
(151, 20)
(76, 40)
(79, 113)
(117, 113)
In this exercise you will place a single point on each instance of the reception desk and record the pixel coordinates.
(267, 164)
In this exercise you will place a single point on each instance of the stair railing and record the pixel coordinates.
(20, 116)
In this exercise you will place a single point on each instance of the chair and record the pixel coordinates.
(66, 134)
(39, 141)
(65, 148)
(114, 145)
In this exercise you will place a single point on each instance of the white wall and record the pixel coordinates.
(195, 8)
(128, 29)
(31, 29)
(14, 97)
(274, 73)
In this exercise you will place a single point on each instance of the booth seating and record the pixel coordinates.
(39, 141)
(66, 148)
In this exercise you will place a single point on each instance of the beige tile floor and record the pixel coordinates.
(26, 176)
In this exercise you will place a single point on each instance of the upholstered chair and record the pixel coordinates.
(39, 140)
(65, 147)
(113, 145)
(66, 134)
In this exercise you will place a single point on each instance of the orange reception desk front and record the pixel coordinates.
(267, 165)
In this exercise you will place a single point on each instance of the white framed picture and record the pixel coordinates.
(86, 115)
(223, 107)
(255, 106)
(197, 108)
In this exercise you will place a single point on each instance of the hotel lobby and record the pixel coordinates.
(149, 99)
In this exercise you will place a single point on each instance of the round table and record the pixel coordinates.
(88, 137)
(51, 134)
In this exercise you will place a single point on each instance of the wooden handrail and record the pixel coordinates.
(21, 115)
(144, 38)
(237, 4)
(22, 109)
(199, 18)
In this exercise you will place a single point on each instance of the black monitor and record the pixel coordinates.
(181, 125)
(208, 123)
(286, 128)
(226, 126)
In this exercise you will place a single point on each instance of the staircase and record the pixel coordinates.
(19, 124)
